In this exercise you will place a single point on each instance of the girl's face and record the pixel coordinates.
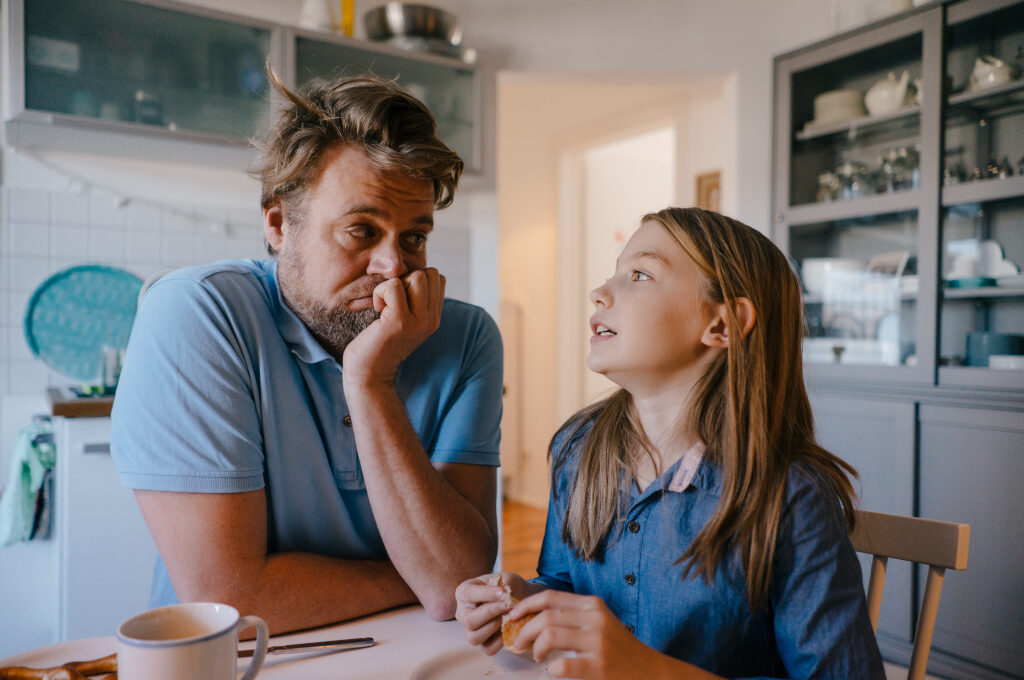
(650, 317)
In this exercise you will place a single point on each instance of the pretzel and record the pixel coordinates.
(73, 670)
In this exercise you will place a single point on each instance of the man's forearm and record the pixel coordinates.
(435, 537)
(293, 591)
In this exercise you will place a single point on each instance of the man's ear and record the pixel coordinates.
(716, 334)
(273, 224)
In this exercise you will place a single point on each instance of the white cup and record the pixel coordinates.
(197, 640)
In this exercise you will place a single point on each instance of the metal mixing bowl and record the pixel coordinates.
(397, 19)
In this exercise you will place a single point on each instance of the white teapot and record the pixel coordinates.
(889, 94)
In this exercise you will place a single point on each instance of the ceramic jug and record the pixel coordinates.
(889, 94)
(989, 71)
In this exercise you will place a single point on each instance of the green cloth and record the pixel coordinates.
(32, 458)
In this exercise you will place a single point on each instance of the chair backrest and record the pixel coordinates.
(940, 545)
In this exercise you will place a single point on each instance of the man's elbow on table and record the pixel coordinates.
(440, 607)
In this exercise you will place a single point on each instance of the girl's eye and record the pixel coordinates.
(639, 276)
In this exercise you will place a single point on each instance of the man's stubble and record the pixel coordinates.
(333, 327)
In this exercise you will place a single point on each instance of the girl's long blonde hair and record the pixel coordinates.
(750, 410)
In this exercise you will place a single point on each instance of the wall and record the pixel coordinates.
(537, 270)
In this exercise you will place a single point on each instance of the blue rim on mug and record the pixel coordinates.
(136, 642)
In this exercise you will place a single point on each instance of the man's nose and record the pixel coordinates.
(387, 260)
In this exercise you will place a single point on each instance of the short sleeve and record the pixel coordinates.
(185, 415)
(469, 431)
(821, 620)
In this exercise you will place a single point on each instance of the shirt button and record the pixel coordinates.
(347, 420)
(630, 579)
(630, 629)
(633, 527)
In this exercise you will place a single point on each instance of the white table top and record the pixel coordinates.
(406, 638)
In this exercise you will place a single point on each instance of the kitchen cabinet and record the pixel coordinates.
(112, 76)
(903, 211)
(159, 78)
(105, 553)
(877, 438)
(972, 462)
(447, 86)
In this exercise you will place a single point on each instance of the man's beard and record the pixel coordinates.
(333, 327)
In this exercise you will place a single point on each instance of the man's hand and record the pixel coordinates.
(410, 311)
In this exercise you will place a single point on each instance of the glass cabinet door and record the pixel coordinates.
(856, 125)
(982, 311)
(861, 283)
(132, 63)
(448, 89)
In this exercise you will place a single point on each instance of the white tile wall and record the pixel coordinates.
(45, 231)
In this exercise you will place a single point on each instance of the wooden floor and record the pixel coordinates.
(522, 529)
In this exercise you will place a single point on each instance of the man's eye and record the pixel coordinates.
(416, 240)
(639, 276)
(361, 232)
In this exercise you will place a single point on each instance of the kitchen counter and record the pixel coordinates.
(64, 402)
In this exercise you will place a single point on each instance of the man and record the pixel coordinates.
(314, 438)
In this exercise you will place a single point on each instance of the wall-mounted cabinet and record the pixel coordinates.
(161, 79)
(898, 192)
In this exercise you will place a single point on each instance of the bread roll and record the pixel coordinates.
(510, 628)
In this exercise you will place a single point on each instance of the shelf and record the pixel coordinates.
(985, 292)
(991, 97)
(868, 206)
(984, 190)
(979, 378)
(905, 296)
(853, 126)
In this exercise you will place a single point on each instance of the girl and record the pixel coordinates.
(695, 528)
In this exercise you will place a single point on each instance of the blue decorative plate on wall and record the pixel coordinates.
(77, 312)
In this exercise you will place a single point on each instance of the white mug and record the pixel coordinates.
(197, 640)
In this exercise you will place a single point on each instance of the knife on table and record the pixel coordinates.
(324, 646)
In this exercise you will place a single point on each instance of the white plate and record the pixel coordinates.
(470, 663)
(63, 652)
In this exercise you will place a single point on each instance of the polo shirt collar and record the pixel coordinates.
(295, 333)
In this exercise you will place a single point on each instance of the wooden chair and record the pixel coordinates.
(940, 545)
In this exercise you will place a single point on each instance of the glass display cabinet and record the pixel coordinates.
(898, 192)
(126, 66)
(446, 85)
(982, 250)
(856, 143)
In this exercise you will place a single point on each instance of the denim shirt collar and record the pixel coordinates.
(294, 332)
(693, 469)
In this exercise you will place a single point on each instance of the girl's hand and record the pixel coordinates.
(480, 605)
(605, 650)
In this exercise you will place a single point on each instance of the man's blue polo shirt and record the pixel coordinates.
(224, 389)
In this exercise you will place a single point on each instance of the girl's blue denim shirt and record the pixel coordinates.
(815, 625)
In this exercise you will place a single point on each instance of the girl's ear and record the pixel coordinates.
(717, 332)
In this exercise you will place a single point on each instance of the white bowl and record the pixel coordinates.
(1006, 362)
(837, 105)
(816, 271)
